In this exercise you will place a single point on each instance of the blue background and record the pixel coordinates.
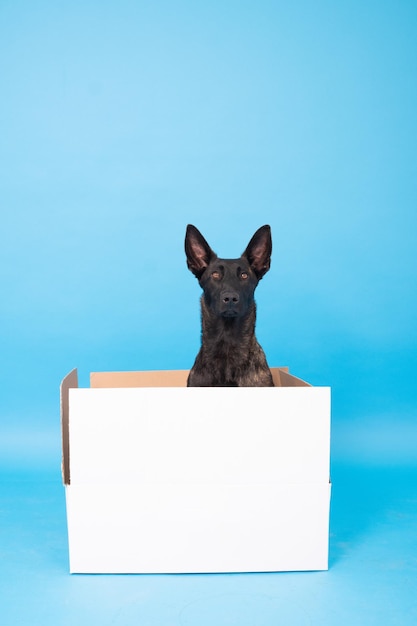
(121, 123)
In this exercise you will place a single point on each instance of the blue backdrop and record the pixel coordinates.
(122, 122)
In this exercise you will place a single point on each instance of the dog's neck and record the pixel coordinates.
(224, 331)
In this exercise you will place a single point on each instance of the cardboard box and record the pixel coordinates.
(161, 478)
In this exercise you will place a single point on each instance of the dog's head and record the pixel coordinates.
(228, 284)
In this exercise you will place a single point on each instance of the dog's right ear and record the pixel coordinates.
(199, 254)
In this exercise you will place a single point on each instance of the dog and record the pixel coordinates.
(230, 355)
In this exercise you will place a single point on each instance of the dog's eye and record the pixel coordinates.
(244, 275)
(215, 275)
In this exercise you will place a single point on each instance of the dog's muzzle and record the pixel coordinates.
(229, 303)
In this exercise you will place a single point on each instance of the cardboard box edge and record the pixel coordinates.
(69, 382)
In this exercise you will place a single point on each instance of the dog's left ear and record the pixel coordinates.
(259, 251)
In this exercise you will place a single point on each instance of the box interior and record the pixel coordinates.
(174, 378)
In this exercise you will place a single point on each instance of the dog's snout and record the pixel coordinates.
(230, 297)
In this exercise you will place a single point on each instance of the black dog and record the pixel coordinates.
(230, 355)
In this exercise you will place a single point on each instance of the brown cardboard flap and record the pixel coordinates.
(70, 382)
(174, 378)
(162, 378)
(282, 378)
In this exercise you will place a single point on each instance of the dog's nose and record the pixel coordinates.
(230, 297)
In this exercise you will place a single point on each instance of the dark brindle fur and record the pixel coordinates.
(230, 355)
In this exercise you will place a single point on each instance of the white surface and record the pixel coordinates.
(199, 435)
(198, 480)
(175, 528)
